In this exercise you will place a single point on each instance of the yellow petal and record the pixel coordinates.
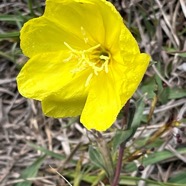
(137, 66)
(45, 73)
(102, 105)
(128, 44)
(69, 100)
(82, 18)
(112, 23)
(40, 35)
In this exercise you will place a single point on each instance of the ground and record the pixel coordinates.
(31, 143)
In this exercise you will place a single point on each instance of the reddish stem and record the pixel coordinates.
(118, 167)
(122, 147)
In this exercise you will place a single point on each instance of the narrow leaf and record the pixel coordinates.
(96, 157)
(10, 35)
(154, 158)
(138, 114)
(31, 172)
(122, 136)
(47, 152)
(179, 178)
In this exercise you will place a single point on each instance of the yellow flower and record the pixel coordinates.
(83, 61)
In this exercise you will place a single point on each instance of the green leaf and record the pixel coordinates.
(164, 96)
(175, 52)
(178, 178)
(148, 87)
(133, 124)
(96, 157)
(31, 172)
(124, 180)
(182, 54)
(138, 114)
(171, 93)
(121, 136)
(154, 158)
(133, 181)
(176, 93)
(47, 152)
(158, 80)
(12, 18)
(10, 35)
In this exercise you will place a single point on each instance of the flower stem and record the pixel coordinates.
(122, 146)
(118, 167)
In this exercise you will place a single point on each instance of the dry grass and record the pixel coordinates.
(160, 28)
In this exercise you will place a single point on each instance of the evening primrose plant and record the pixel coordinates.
(82, 61)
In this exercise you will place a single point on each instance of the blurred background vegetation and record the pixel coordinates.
(30, 143)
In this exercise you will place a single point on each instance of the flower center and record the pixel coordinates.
(96, 58)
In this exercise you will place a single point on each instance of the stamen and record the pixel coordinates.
(88, 79)
(94, 57)
(106, 66)
(68, 58)
(70, 48)
(93, 48)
